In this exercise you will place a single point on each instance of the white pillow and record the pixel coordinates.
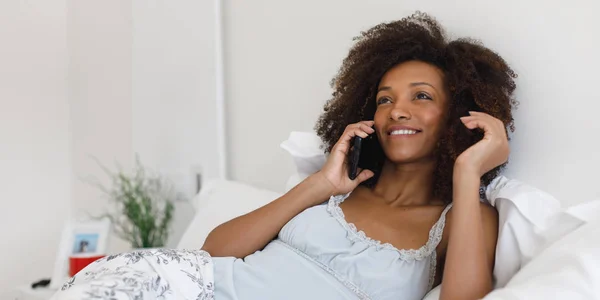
(523, 214)
(434, 294)
(568, 266)
(218, 202)
(309, 157)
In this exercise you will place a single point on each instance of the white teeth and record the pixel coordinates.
(403, 131)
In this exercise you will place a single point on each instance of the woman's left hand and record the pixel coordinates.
(488, 153)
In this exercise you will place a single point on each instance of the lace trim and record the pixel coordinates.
(435, 234)
(433, 264)
(432, 269)
(361, 295)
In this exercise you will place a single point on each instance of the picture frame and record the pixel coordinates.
(79, 238)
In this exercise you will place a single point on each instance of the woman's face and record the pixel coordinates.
(411, 111)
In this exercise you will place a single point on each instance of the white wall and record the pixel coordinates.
(280, 57)
(34, 139)
(143, 81)
(174, 107)
(83, 79)
(99, 41)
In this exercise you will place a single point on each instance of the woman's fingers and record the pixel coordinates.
(489, 124)
(473, 122)
(492, 150)
(362, 129)
(494, 130)
(336, 167)
(360, 132)
(475, 115)
(366, 128)
(368, 123)
(363, 175)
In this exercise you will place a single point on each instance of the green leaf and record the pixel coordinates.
(143, 205)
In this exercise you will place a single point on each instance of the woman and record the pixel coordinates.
(438, 113)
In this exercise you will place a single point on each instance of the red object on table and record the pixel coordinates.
(78, 262)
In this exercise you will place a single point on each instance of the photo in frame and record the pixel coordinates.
(79, 238)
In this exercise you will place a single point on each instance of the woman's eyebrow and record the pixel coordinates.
(412, 84)
(422, 83)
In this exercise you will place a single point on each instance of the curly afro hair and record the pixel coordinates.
(477, 79)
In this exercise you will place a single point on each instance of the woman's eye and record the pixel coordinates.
(383, 100)
(423, 96)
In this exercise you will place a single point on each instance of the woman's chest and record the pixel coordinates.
(402, 227)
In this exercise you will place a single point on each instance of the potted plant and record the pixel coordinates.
(143, 205)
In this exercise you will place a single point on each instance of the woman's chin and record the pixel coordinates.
(405, 158)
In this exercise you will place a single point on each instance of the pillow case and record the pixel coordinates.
(524, 213)
(307, 153)
(220, 201)
(567, 266)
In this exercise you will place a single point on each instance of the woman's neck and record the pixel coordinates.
(406, 184)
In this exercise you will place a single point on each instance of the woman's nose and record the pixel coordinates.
(399, 113)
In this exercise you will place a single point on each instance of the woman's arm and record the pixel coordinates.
(471, 244)
(473, 231)
(249, 233)
(246, 234)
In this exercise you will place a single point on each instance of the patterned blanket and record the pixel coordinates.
(140, 275)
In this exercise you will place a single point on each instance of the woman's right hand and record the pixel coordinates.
(335, 170)
(251, 232)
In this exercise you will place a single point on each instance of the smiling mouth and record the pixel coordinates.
(404, 132)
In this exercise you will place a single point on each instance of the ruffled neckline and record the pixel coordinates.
(425, 251)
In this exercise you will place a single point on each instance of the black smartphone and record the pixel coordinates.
(354, 157)
(361, 154)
